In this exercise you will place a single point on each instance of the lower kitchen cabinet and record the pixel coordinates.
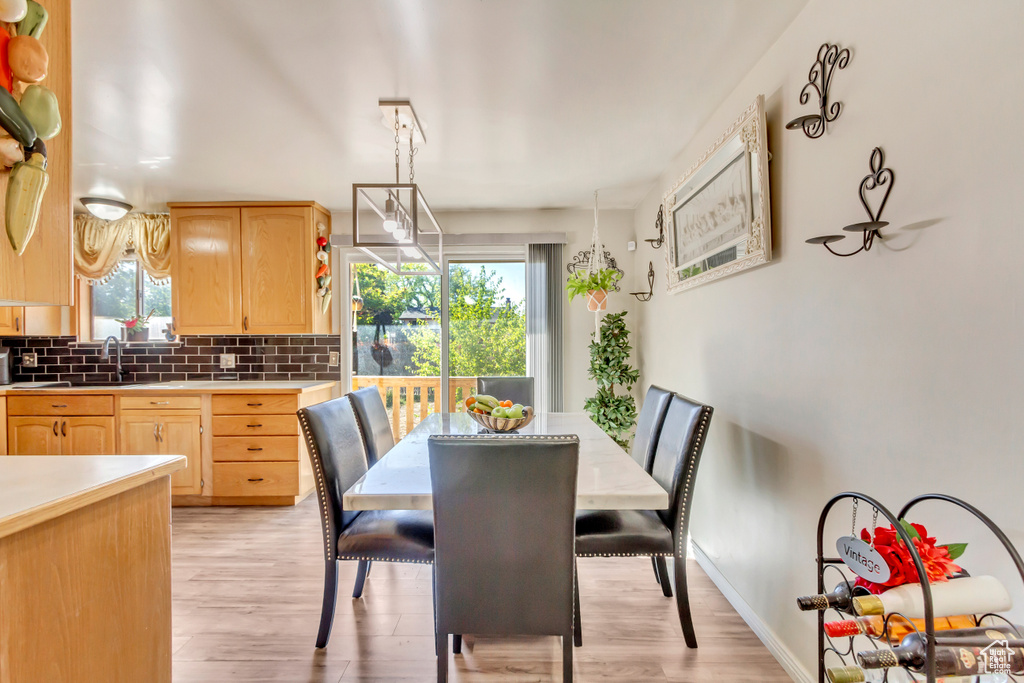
(151, 432)
(60, 435)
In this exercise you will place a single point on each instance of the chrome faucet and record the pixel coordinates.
(105, 355)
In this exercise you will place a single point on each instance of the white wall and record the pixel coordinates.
(615, 228)
(894, 372)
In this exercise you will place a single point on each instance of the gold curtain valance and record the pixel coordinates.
(100, 245)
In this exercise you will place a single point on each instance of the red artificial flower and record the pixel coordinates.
(321, 241)
(131, 322)
(938, 564)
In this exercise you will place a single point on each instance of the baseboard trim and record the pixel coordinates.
(783, 655)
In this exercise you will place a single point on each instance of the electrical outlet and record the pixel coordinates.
(227, 360)
(334, 358)
(29, 360)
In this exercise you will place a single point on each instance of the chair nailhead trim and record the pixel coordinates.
(321, 489)
(624, 555)
(382, 559)
(568, 438)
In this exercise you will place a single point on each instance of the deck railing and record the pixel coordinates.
(409, 400)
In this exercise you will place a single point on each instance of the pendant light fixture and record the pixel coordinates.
(391, 222)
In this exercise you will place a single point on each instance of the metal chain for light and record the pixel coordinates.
(853, 525)
(412, 154)
(398, 153)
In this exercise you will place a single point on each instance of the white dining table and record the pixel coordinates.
(608, 478)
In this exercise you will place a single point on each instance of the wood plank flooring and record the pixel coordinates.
(247, 588)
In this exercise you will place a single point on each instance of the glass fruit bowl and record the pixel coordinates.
(503, 424)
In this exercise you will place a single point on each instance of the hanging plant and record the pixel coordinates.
(594, 285)
(609, 367)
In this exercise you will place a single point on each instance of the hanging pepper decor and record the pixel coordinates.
(323, 272)
(29, 114)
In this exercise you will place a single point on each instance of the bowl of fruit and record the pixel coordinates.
(498, 416)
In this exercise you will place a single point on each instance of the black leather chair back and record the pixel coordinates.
(373, 418)
(336, 450)
(504, 537)
(676, 458)
(515, 389)
(648, 425)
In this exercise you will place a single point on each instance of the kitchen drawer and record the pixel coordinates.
(255, 448)
(255, 425)
(251, 404)
(60, 404)
(160, 402)
(256, 479)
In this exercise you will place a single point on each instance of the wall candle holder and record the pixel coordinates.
(819, 82)
(659, 223)
(880, 177)
(646, 296)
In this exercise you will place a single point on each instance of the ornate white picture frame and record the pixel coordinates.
(718, 215)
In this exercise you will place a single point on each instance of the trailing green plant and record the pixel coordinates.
(609, 367)
(582, 281)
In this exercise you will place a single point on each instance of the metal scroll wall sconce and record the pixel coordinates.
(646, 296)
(880, 178)
(659, 223)
(819, 82)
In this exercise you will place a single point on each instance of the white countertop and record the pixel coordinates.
(215, 387)
(37, 488)
(608, 478)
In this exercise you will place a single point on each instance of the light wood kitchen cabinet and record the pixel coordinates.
(153, 432)
(43, 274)
(25, 321)
(206, 271)
(247, 268)
(60, 435)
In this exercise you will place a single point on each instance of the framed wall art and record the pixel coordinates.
(718, 217)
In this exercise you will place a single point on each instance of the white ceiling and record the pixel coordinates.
(525, 103)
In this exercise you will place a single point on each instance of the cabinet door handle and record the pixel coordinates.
(256, 479)
(159, 403)
(17, 323)
(253, 426)
(253, 405)
(255, 448)
(156, 434)
(58, 405)
(55, 428)
(245, 323)
(63, 428)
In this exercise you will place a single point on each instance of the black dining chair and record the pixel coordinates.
(645, 440)
(373, 418)
(656, 533)
(503, 519)
(336, 449)
(515, 389)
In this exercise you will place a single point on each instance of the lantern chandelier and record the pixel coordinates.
(391, 222)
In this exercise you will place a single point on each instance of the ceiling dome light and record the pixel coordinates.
(107, 209)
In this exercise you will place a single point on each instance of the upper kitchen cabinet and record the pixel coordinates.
(43, 274)
(247, 268)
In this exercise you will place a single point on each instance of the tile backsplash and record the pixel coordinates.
(279, 357)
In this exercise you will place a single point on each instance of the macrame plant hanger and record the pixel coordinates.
(595, 264)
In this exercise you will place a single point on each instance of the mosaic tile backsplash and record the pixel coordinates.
(289, 358)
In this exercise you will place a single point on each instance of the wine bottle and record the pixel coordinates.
(840, 599)
(898, 627)
(970, 595)
(952, 660)
(855, 674)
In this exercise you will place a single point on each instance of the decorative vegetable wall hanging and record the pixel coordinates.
(29, 115)
(323, 272)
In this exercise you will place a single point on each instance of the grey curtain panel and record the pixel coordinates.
(544, 324)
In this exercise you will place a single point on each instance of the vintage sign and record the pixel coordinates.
(862, 559)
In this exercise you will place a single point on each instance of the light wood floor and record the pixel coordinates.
(247, 591)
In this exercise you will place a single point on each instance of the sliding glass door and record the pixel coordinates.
(486, 324)
(422, 340)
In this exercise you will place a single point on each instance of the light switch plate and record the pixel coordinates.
(334, 358)
(29, 360)
(227, 360)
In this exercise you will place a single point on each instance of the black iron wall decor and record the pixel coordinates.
(659, 223)
(819, 82)
(581, 261)
(646, 296)
(880, 178)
